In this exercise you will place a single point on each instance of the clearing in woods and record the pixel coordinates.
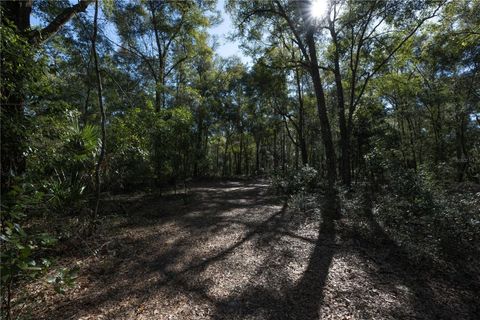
(234, 250)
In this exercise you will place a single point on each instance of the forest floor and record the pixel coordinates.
(233, 250)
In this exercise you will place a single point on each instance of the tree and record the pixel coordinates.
(17, 14)
(356, 34)
(102, 113)
(175, 27)
(293, 18)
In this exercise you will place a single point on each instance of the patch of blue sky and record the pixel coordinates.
(225, 46)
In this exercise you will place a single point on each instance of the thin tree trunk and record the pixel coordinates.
(225, 158)
(85, 107)
(102, 113)
(217, 150)
(257, 150)
(239, 156)
(159, 78)
(247, 160)
(275, 158)
(301, 120)
(412, 142)
(282, 153)
(461, 149)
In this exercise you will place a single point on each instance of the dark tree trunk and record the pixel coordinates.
(13, 138)
(217, 151)
(238, 167)
(225, 156)
(18, 12)
(13, 130)
(275, 158)
(246, 169)
(12, 108)
(282, 152)
(257, 150)
(460, 145)
(322, 111)
(198, 147)
(310, 52)
(344, 164)
(301, 120)
(159, 78)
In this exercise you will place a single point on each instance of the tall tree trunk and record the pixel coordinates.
(411, 136)
(225, 154)
(322, 111)
(332, 211)
(217, 151)
(344, 134)
(257, 160)
(247, 160)
(275, 158)
(460, 145)
(102, 114)
(310, 54)
(198, 146)
(297, 151)
(238, 167)
(282, 153)
(301, 120)
(159, 78)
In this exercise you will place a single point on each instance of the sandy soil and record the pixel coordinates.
(233, 250)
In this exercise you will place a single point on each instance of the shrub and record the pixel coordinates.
(19, 247)
(294, 181)
(428, 219)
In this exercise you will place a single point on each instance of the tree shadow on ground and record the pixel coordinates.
(430, 289)
(300, 299)
(306, 297)
(303, 301)
(136, 285)
(250, 258)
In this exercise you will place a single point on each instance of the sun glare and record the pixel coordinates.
(318, 8)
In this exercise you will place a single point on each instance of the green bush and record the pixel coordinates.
(428, 219)
(151, 144)
(19, 247)
(294, 181)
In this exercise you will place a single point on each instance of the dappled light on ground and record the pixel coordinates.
(235, 251)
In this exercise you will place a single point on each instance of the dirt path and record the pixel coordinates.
(234, 251)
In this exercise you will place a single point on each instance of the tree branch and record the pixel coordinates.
(389, 56)
(37, 37)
